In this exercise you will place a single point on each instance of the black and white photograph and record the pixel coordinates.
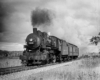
(49, 39)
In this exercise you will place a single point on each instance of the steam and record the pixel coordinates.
(49, 33)
(70, 22)
(41, 17)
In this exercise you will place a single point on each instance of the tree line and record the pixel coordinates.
(5, 53)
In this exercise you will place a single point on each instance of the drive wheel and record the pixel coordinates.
(24, 62)
(54, 59)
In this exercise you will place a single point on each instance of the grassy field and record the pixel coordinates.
(9, 62)
(91, 62)
(85, 69)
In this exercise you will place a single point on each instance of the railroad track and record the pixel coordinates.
(8, 70)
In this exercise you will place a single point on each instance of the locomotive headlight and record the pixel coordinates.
(31, 39)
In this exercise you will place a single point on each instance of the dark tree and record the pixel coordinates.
(95, 39)
(4, 52)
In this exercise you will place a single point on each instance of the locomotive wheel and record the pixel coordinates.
(50, 58)
(60, 58)
(69, 58)
(54, 59)
(29, 64)
(47, 61)
(44, 62)
(24, 62)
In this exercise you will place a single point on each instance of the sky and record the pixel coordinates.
(75, 21)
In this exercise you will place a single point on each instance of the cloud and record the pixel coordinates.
(74, 21)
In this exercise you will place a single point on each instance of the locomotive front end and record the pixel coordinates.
(32, 41)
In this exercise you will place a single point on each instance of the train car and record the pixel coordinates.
(64, 50)
(73, 51)
(55, 48)
(41, 49)
(76, 52)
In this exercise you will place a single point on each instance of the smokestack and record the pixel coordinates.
(35, 31)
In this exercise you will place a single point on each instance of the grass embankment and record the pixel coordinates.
(10, 62)
(90, 62)
(84, 69)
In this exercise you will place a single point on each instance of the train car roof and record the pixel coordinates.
(64, 41)
(72, 44)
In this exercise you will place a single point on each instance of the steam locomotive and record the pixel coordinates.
(41, 48)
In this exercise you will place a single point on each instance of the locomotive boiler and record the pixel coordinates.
(41, 48)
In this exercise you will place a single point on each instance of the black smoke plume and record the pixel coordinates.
(41, 17)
